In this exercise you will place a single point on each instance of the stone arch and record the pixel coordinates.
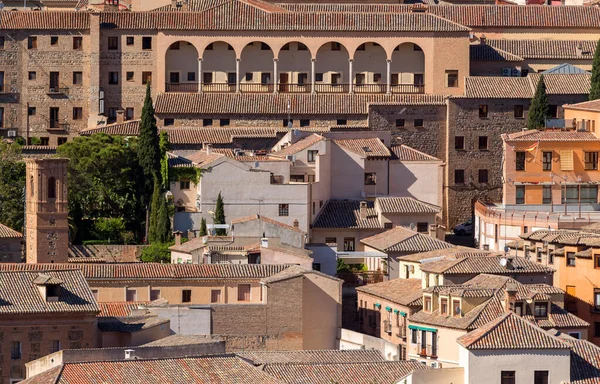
(332, 65)
(256, 67)
(218, 64)
(370, 68)
(294, 68)
(408, 68)
(181, 67)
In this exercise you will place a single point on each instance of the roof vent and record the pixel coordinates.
(129, 354)
(579, 50)
(363, 210)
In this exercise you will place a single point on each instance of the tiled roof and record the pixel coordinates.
(294, 271)
(510, 331)
(119, 309)
(592, 105)
(277, 104)
(176, 161)
(406, 292)
(55, 20)
(180, 339)
(312, 356)
(547, 49)
(560, 84)
(549, 135)
(437, 254)
(585, 361)
(405, 205)
(369, 148)
(405, 153)
(299, 145)
(346, 214)
(129, 324)
(586, 253)
(157, 271)
(558, 318)
(20, 295)
(9, 233)
(127, 128)
(387, 372)
(401, 239)
(254, 217)
(485, 52)
(484, 264)
(224, 369)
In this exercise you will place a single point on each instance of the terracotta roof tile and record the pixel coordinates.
(293, 272)
(592, 105)
(55, 20)
(475, 318)
(312, 356)
(369, 148)
(547, 49)
(498, 87)
(563, 84)
(266, 220)
(129, 324)
(401, 239)
(180, 339)
(405, 205)
(486, 52)
(406, 292)
(299, 145)
(585, 361)
(346, 214)
(119, 309)
(484, 264)
(405, 153)
(549, 135)
(9, 233)
(127, 128)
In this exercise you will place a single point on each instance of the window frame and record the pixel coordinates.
(451, 78)
(283, 210)
(243, 299)
(311, 155)
(459, 143)
(591, 160)
(520, 160)
(370, 178)
(186, 295)
(349, 244)
(547, 161)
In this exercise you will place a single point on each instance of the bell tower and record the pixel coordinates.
(46, 205)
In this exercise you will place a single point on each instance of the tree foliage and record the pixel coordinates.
(149, 150)
(203, 231)
(12, 183)
(157, 253)
(152, 227)
(540, 108)
(595, 80)
(160, 223)
(163, 143)
(220, 215)
(111, 229)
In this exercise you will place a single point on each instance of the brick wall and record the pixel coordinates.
(276, 121)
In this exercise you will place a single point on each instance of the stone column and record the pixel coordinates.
(389, 76)
(237, 75)
(350, 76)
(275, 75)
(312, 75)
(199, 75)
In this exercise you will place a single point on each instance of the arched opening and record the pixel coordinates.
(331, 68)
(218, 67)
(181, 66)
(294, 68)
(31, 184)
(256, 68)
(370, 68)
(408, 69)
(51, 188)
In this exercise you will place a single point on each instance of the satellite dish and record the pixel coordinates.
(412, 227)
(503, 261)
(457, 311)
(256, 164)
(506, 249)
(363, 194)
(529, 301)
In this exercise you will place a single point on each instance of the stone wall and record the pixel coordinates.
(275, 121)
(112, 253)
(11, 250)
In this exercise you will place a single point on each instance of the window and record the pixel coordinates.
(154, 294)
(146, 77)
(540, 309)
(312, 156)
(32, 75)
(575, 335)
(414, 336)
(427, 305)
(451, 79)
(370, 178)
(54, 117)
(304, 123)
(129, 40)
(422, 227)
(32, 42)
(191, 76)
(215, 295)
(360, 79)
(597, 329)
(61, 140)
(335, 78)
(168, 122)
(224, 122)
(459, 142)
(444, 306)
(297, 178)
(316, 266)
(243, 292)
(131, 295)
(547, 194)
(302, 78)
(418, 123)
(553, 111)
(349, 244)
(1, 117)
(330, 240)
(507, 377)
(174, 77)
(1, 42)
(95, 294)
(459, 176)
(483, 175)
(311, 178)
(596, 299)
(77, 78)
(540, 377)
(52, 188)
(591, 160)
(31, 111)
(129, 76)
(146, 42)
(77, 113)
(596, 261)
(284, 210)
(287, 123)
(570, 259)
(113, 78)
(483, 111)
(400, 123)
(483, 143)
(520, 194)
(265, 78)
(186, 295)
(579, 193)
(15, 350)
(342, 121)
(53, 40)
(518, 112)
(231, 78)
(207, 122)
(418, 79)
(388, 225)
(520, 161)
(113, 43)
(54, 346)
(547, 161)
(456, 308)
(318, 77)
(128, 113)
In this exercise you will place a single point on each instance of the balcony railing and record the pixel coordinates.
(408, 88)
(370, 88)
(294, 88)
(332, 88)
(57, 90)
(429, 350)
(257, 87)
(218, 87)
(182, 87)
(362, 278)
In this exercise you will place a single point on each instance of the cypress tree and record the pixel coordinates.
(220, 216)
(595, 88)
(540, 108)
(163, 144)
(152, 228)
(163, 222)
(148, 146)
(203, 231)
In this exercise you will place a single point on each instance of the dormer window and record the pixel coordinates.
(519, 308)
(444, 306)
(427, 303)
(456, 312)
(48, 286)
(540, 309)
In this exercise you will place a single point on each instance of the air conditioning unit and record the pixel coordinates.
(516, 72)
(12, 133)
(435, 364)
(506, 72)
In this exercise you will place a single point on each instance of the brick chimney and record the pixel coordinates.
(208, 148)
(296, 224)
(120, 115)
(579, 50)
(177, 235)
(363, 210)
(511, 297)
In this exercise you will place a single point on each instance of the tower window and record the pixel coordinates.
(52, 188)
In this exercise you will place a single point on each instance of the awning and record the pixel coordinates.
(389, 309)
(419, 328)
(401, 313)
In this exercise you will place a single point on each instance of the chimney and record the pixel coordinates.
(483, 40)
(191, 234)
(208, 148)
(120, 115)
(363, 210)
(296, 224)
(579, 50)
(177, 235)
(511, 297)
(129, 354)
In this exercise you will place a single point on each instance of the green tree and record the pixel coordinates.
(220, 216)
(163, 221)
(149, 151)
(153, 234)
(12, 183)
(163, 144)
(595, 80)
(203, 231)
(540, 108)
(157, 253)
(109, 228)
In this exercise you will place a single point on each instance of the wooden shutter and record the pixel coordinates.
(566, 160)
(215, 296)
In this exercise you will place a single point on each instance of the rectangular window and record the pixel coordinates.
(31, 111)
(335, 78)
(444, 306)
(388, 225)
(547, 161)
(341, 122)
(284, 210)
(186, 295)
(414, 336)
(54, 117)
(243, 292)
(427, 305)
(146, 43)
(312, 156)
(77, 78)
(224, 122)
(597, 299)
(318, 77)
(54, 346)
(311, 178)
(130, 295)
(1, 42)
(520, 161)
(571, 259)
(423, 227)
(168, 121)
(451, 79)
(231, 78)
(400, 123)
(15, 350)
(305, 123)
(459, 142)
(553, 111)
(113, 43)
(154, 294)
(597, 329)
(146, 77)
(507, 377)
(349, 244)
(77, 113)
(540, 309)
(53, 40)
(191, 76)
(95, 294)
(113, 78)
(302, 78)
(483, 175)
(360, 78)
(483, 111)
(61, 140)
(540, 377)
(265, 78)
(1, 117)
(32, 75)
(483, 143)
(591, 160)
(596, 261)
(370, 178)
(520, 194)
(32, 42)
(547, 194)
(129, 76)
(207, 122)
(215, 295)
(297, 178)
(518, 112)
(128, 113)
(456, 308)
(174, 77)
(459, 176)
(129, 40)
(418, 123)
(45, 141)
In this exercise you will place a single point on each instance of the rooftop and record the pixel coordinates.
(119, 309)
(300, 145)
(494, 87)
(585, 360)
(547, 49)
(368, 148)
(9, 233)
(593, 105)
(265, 219)
(549, 135)
(484, 264)
(405, 292)
(177, 340)
(312, 356)
(401, 239)
(129, 324)
(394, 204)
(405, 153)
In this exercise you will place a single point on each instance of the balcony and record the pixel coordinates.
(294, 88)
(428, 350)
(361, 278)
(58, 127)
(182, 87)
(408, 88)
(56, 90)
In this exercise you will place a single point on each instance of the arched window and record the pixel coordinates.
(31, 185)
(52, 188)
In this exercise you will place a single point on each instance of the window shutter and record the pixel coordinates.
(566, 160)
